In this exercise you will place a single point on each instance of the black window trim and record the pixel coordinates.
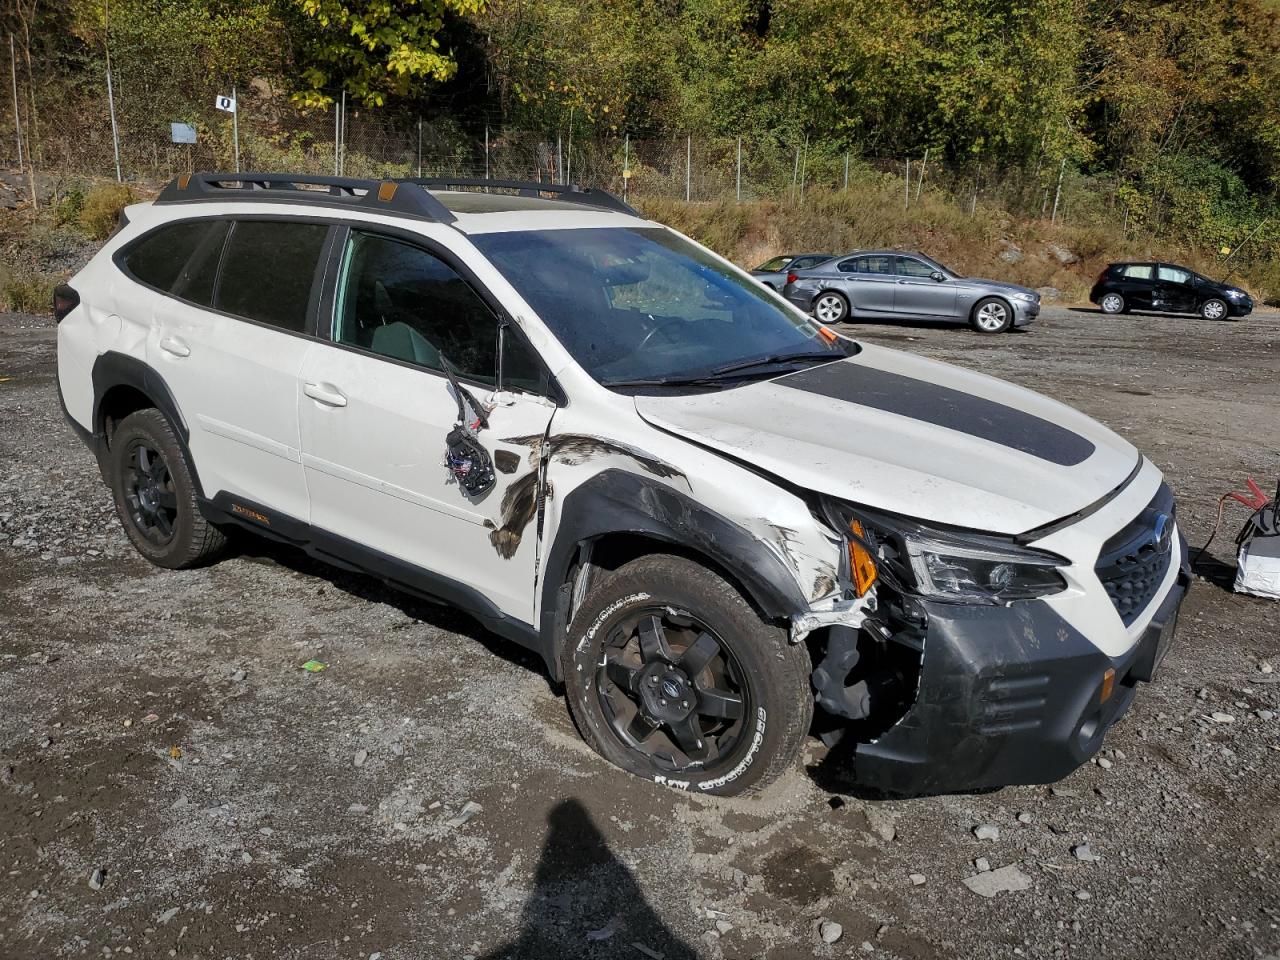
(308, 331)
(504, 325)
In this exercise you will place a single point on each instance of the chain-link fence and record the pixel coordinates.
(77, 127)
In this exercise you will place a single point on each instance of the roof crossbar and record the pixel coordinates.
(400, 197)
(569, 192)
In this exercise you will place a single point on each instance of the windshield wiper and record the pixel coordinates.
(702, 381)
(775, 359)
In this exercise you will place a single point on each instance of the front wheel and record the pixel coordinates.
(671, 675)
(992, 315)
(1112, 303)
(1213, 309)
(830, 307)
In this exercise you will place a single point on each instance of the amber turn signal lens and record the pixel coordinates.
(1108, 685)
(861, 564)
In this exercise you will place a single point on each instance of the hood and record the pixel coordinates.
(915, 437)
(999, 285)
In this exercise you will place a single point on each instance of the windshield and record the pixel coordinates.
(774, 265)
(644, 304)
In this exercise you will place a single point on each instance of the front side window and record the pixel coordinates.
(643, 304)
(804, 263)
(399, 301)
(268, 270)
(1174, 275)
(911, 267)
(159, 257)
(1138, 271)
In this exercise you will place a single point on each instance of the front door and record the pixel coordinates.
(920, 294)
(376, 406)
(1174, 291)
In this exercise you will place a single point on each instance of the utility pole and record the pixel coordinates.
(235, 126)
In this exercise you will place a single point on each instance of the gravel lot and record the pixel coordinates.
(172, 783)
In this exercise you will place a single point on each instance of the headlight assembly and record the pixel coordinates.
(948, 565)
(1028, 297)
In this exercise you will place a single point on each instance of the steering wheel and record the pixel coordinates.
(658, 329)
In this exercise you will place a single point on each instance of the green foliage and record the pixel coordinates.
(101, 208)
(374, 49)
(26, 291)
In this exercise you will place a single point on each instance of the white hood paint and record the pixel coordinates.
(897, 463)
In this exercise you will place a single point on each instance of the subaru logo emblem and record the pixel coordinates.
(670, 688)
(1162, 530)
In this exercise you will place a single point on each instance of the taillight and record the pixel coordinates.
(1103, 275)
(65, 299)
(792, 277)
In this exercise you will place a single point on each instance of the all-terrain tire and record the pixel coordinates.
(771, 675)
(155, 495)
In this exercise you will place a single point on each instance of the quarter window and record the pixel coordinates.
(399, 301)
(1138, 271)
(268, 271)
(196, 278)
(158, 258)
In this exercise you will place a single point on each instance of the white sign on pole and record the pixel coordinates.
(225, 103)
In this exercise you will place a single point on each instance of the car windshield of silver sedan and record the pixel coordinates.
(643, 307)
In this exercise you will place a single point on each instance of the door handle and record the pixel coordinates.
(174, 346)
(325, 393)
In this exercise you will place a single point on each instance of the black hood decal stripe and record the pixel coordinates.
(944, 407)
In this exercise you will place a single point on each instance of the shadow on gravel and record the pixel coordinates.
(585, 902)
(1212, 570)
(442, 616)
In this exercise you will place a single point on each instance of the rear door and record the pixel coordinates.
(919, 294)
(376, 407)
(870, 282)
(228, 339)
(1137, 284)
(1174, 291)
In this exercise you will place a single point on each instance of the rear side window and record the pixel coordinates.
(159, 257)
(268, 270)
(1137, 271)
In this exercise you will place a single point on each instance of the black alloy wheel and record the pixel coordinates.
(672, 690)
(150, 494)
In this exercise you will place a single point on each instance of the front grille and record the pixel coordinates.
(1135, 561)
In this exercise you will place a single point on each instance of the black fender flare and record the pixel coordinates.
(113, 369)
(615, 501)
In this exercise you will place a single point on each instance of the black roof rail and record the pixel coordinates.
(401, 197)
(569, 192)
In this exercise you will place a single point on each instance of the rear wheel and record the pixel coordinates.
(673, 676)
(992, 315)
(1112, 303)
(830, 307)
(1214, 309)
(155, 495)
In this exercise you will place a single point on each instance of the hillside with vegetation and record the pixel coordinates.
(991, 134)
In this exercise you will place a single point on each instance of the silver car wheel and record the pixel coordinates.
(992, 316)
(1112, 303)
(1214, 310)
(829, 308)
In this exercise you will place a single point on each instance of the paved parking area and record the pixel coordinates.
(426, 795)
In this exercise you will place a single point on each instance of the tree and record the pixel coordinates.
(373, 49)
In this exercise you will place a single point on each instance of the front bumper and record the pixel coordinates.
(1024, 312)
(1010, 695)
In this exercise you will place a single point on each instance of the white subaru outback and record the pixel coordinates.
(704, 511)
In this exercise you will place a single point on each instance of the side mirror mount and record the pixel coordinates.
(938, 275)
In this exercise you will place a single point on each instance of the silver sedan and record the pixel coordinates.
(884, 284)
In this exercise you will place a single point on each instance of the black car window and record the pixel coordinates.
(400, 301)
(158, 258)
(1173, 274)
(268, 269)
(911, 267)
(777, 263)
(803, 263)
(848, 266)
(195, 279)
(1138, 271)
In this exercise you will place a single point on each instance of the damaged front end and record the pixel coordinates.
(954, 674)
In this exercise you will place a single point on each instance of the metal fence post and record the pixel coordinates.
(342, 138)
(920, 176)
(739, 180)
(1058, 192)
(906, 192)
(846, 170)
(115, 131)
(17, 115)
(568, 162)
(420, 148)
(235, 126)
(804, 165)
(337, 135)
(688, 168)
(626, 164)
(486, 151)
